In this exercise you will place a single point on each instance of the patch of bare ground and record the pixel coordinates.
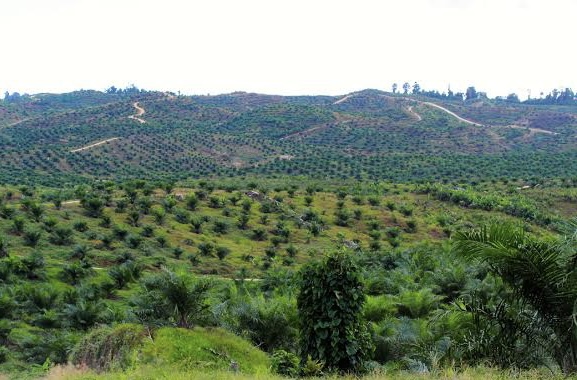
(94, 145)
(414, 114)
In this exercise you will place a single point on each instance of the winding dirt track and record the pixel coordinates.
(451, 113)
(462, 119)
(139, 112)
(93, 145)
(416, 115)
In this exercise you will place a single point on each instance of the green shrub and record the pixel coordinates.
(312, 368)
(222, 252)
(220, 227)
(61, 236)
(259, 234)
(269, 323)
(35, 345)
(378, 308)
(3, 354)
(417, 303)
(80, 226)
(285, 363)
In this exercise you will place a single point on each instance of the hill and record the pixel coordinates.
(366, 135)
(127, 214)
(74, 259)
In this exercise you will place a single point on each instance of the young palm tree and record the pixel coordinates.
(542, 275)
(170, 296)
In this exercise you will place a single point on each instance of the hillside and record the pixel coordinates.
(128, 214)
(368, 135)
(77, 258)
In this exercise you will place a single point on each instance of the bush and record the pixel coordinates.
(220, 227)
(222, 252)
(35, 345)
(61, 236)
(80, 226)
(32, 237)
(259, 234)
(147, 231)
(270, 324)
(3, 354)
(121, 276)
(73, 273)
(285, 363)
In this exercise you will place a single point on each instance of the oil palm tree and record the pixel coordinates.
(542, 276)
(172, 297)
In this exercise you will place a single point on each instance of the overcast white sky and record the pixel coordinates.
(287, 46)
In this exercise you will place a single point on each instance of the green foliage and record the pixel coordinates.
(269, 323)
(125, 273)
(83, 314)
(3, 247)
(171, 298)
(428, 308)
(61, 236)
(4, 351)
(222, 252)
(543, 280)
(93, 206)
(312, 368)
(36, 346)
(285, 363)
(330, 305)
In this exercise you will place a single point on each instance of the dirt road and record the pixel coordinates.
(416, 115)
(93, 145)
(462, 119)
(139, 112)
(343, 99)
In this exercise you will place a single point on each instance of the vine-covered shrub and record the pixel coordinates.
(330, 306)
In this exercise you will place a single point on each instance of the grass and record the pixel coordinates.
(171, 354)
(210, 349)
(151, 372)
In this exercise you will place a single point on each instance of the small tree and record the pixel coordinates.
(172, 298)
(93, 206)
(330, 304)
(471, 93)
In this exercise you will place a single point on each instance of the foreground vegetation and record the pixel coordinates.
(152, 280)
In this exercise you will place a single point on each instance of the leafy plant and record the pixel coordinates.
(168, 297)
(330, 305)
(285, 363)
(541, 274)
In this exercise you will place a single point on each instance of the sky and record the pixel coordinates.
(288, 47)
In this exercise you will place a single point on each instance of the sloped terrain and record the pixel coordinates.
(365, 135)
